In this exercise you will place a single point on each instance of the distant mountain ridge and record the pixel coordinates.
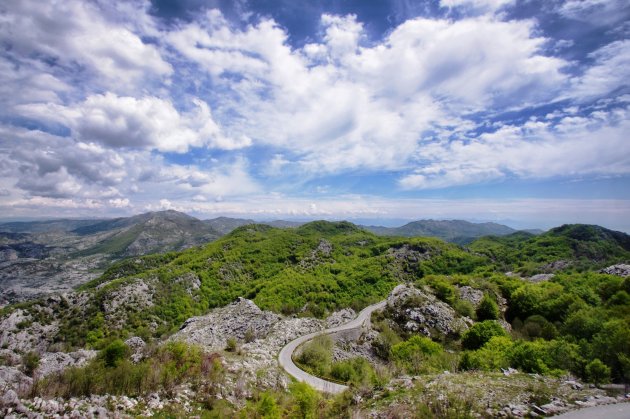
(453, 231)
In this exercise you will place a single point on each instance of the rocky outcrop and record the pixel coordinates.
(53, 362)
(418, 311)
(318, 255)
(470, 294)
(133, 296)
(236, 320)
(622, 270)
(340, 317)
(136, 345)
(20, 332)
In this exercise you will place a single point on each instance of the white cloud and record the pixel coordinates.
(119, 203)
(477, 5)
(595, 12)
(339, 106)
(74, 33)
(149, 122)
(610, 71)
(574, 146)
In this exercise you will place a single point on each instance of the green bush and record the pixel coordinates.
(529, 356)
(305, 400)
(465, 308)
(30, 362)
(316, 355)
(413, 355)
(356, 371)
(597, 372)
(114, 353)
(480, 333)
(487, 309)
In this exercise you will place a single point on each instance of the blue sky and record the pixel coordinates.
(384, 111)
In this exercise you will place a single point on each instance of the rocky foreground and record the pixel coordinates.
(247, 340)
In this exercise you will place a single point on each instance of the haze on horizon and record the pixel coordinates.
(492, 110)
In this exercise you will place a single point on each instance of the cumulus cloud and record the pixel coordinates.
(335, 105)
(477, 5)
(149, 122)
(74, 33)
(610, 71)
(574, 146)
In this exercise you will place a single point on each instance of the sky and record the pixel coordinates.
(515, 111)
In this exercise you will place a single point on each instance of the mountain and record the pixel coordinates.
(225, 225)
(454, 231)
(180, 333)
(49, 226)
(153, 232)
(575, 246)
(54, 256)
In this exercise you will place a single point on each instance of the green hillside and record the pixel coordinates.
(311, 270)
(577, 246)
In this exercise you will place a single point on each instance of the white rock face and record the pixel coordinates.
(53, 362)
(622, 270)
(340, 317)
(422, 312)
(470, 294)
(235, 320)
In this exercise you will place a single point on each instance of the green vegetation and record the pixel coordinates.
(487, 309)
(113, 373)
(481, 333)
(582, 247)
(320, 266)
(316, 358)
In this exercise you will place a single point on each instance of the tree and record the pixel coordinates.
(487, 309)
(597, 372)
(114, 353)
(480, 333)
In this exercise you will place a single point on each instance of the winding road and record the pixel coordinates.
(286, 361)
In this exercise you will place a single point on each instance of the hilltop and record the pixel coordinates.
(225, 308)
(454, 231)
(52, 256)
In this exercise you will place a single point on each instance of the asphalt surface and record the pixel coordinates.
(284, 358)
(608, 411)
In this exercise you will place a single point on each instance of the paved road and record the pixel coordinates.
(284, 358)
(609, 411)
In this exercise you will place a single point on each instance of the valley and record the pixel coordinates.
(516, 324)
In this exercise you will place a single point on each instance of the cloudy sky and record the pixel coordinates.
(515, 111)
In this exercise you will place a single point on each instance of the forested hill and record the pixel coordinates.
(571, 246)
(454, 231)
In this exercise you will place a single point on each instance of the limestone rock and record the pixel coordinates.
(622, 270)
(340, 317)
(419, 311)
(234, 320)
(470, 294)
(53, 362)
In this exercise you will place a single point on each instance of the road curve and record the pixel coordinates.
(284, 358)
(608, 411)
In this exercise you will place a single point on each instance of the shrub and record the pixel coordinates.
(305, 400)
(114, 353)
(464, 308)
(597, 372)
(492, 356)
(487, 309)
(538, 327)
(30, 362)
(529, 356)
(231, 345)
(317, 355)
(413, 353)
(480, 333)
(356, 371)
